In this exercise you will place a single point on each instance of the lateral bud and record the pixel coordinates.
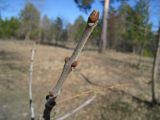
(74, 64)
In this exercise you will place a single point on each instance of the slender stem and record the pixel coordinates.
(30, 84)
(67, 67)
(55, 91)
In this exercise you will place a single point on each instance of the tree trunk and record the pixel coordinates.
(141, 51)
(103, 41)
(39, 36)
(57, 38)
(27, 36)
(56, 44)
(155, 73)
(135, 49)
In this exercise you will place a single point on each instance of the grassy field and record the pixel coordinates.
(127, 99)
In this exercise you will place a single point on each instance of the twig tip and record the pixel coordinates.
(93, 18)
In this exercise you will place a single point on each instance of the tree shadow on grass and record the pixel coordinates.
(141, 101)
(7, 55)
(134, 98)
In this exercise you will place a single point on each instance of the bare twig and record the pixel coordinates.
(69, 64)
(77, 109)
(32, 114)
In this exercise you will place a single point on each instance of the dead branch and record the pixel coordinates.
(32, 114)
(77, 109)
(55, 91)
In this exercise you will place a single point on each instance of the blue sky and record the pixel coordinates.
(66, 9)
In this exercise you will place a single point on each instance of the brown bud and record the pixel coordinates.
(50, 93)
(94, 16)
(66, 59)
(74, 64)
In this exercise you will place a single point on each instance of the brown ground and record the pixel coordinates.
(110, 69)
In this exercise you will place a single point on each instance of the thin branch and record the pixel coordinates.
(77, 109)
(67, 67)
(69, 64)
(32, 114)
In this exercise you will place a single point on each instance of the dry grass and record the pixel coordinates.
(109, 69)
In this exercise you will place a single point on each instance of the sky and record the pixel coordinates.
(66, 9)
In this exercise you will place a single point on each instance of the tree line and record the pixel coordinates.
(128, 28)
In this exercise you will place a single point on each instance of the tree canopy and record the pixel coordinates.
(30, 20)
